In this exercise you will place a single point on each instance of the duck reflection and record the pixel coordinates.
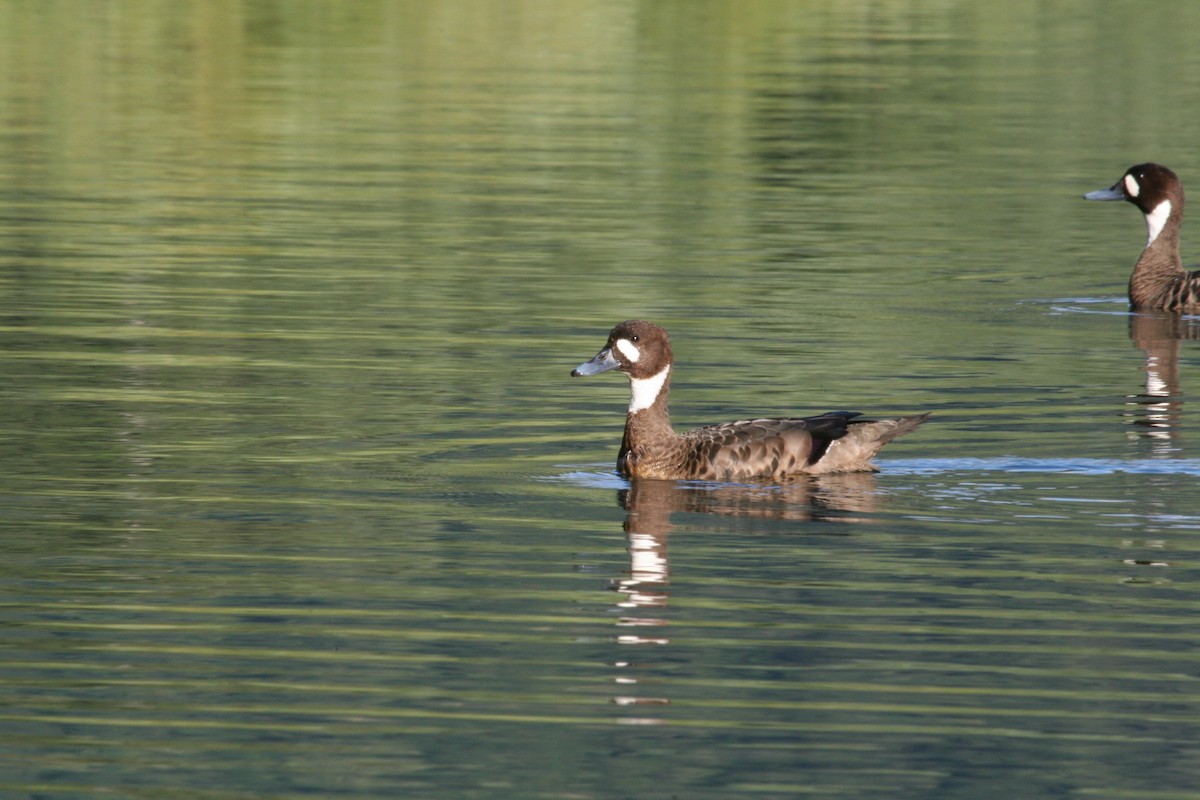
(649, 505)
(1156, 412)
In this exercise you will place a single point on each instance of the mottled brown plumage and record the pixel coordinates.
(1159, 281)
(758, 448)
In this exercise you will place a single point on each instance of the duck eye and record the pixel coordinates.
(633, 338)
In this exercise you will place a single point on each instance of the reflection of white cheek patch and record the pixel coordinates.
(628, 350)
(1156, 219)
(1131, 186)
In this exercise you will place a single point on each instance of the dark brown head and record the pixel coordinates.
(1153, 188)
(641, 350)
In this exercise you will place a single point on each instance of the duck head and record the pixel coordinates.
(1154, 189)
(640, 349)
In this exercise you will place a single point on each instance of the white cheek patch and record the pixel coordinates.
(1131, 186)
(646, 390)
(1156, 219)
(629, 350)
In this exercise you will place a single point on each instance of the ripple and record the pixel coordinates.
(590, 479)
(1073, 466)
(608, 479)
(1092, 305)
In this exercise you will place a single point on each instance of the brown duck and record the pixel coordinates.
(1159, 281)
(758, 448)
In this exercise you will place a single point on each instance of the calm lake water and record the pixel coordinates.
(299, 499)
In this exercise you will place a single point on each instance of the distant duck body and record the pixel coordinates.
(1159, 281)
(761, 448)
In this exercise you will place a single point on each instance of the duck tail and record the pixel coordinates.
(864, 438)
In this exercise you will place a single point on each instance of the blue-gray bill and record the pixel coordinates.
(1111, 193)
(602, 362)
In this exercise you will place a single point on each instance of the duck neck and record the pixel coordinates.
(1159, 264)
(648, 417)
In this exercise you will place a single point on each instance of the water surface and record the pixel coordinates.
(299, 499)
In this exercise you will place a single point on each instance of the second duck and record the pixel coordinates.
(1159, 282)
(760, 448)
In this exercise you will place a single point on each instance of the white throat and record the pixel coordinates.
(1156, 219)
(646, 390)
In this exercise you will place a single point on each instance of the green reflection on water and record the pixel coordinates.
(299, 499)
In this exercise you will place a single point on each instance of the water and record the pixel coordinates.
(299, 499)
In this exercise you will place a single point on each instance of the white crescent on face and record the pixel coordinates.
(1131, 186)
(629, 350)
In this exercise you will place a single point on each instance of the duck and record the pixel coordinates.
(1159, 282)
(834, 442)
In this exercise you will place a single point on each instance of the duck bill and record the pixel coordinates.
(1113, 192)
(603, 362)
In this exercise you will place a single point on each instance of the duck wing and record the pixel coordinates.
(1182, 295)
(764, 447)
